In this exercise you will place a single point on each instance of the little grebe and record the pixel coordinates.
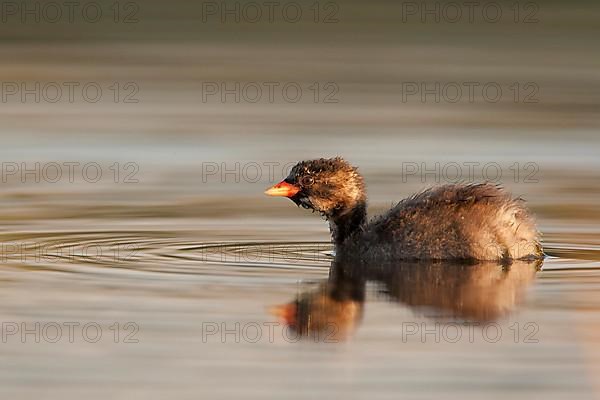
(450, 222)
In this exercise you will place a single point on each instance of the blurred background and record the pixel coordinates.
(135, 133)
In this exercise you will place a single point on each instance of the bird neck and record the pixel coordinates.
(344, 224)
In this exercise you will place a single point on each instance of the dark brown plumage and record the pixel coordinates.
(450, 222)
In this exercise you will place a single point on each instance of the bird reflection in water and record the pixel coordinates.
(478, 292)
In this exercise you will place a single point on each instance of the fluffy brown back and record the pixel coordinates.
(470, 222)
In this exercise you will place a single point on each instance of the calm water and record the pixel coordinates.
(181, 274)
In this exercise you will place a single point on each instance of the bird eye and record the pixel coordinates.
(307, 181)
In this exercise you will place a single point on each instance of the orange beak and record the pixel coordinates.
(282, 189)
(285, 313)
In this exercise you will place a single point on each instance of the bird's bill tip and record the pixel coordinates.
(283, 189)
(285, 313)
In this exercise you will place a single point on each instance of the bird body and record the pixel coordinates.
(451, 222)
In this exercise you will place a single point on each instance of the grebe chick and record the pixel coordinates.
(450, 222)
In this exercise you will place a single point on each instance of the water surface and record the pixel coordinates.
(189, 279)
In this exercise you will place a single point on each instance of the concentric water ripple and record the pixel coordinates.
(155, 251)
